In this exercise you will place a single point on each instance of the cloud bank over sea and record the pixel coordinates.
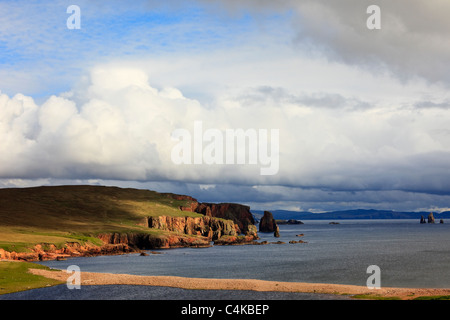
(362, 114)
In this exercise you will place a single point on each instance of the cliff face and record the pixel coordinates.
(238, 213)
(183, 232)
(209, 227)
(137, 242)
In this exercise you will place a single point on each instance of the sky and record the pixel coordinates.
(362, 114)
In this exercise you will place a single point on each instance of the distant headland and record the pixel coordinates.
(351, 214)
(55, 222)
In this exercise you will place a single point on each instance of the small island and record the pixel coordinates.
(430, 219)
(290, 221)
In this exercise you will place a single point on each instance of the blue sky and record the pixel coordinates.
(34, 36)
(363, 115)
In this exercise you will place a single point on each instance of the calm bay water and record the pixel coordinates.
(409, 255)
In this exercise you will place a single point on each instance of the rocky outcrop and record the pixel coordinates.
(235, 240)
(238, 213)
(267, 223)
(145, 241)
(220, 231)
(209, 227)
(221, 222)
(276, 233)
(252, 231)
(430, 219)
(42, 252)
(113, 244)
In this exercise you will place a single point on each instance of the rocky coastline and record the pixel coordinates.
(211, 224)
(213, 228)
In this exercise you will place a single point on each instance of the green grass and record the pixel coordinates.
(373, 297)
(14, 276)
(433, 298)
(60, 214)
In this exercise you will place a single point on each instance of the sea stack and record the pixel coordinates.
(422, 220)
(276, 233)
(267, 223)
(431, 218)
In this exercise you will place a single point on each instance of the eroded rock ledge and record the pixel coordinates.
(209, 227)
(46, 251)
(238, 213)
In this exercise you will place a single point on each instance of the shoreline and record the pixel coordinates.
(93, 278)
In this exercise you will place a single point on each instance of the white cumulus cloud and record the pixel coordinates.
(117, 126)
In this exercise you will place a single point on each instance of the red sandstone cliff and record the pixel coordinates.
(210, 227)
(238, 213)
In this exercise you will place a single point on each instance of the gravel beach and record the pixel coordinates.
(91, 278)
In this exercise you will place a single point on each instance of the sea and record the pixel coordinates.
(406, 254)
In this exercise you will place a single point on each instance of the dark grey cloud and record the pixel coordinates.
(431, 104)
(278, 96)
(414, 39)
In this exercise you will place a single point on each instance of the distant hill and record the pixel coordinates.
(350, 214)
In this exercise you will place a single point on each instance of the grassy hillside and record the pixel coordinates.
(59, 214)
